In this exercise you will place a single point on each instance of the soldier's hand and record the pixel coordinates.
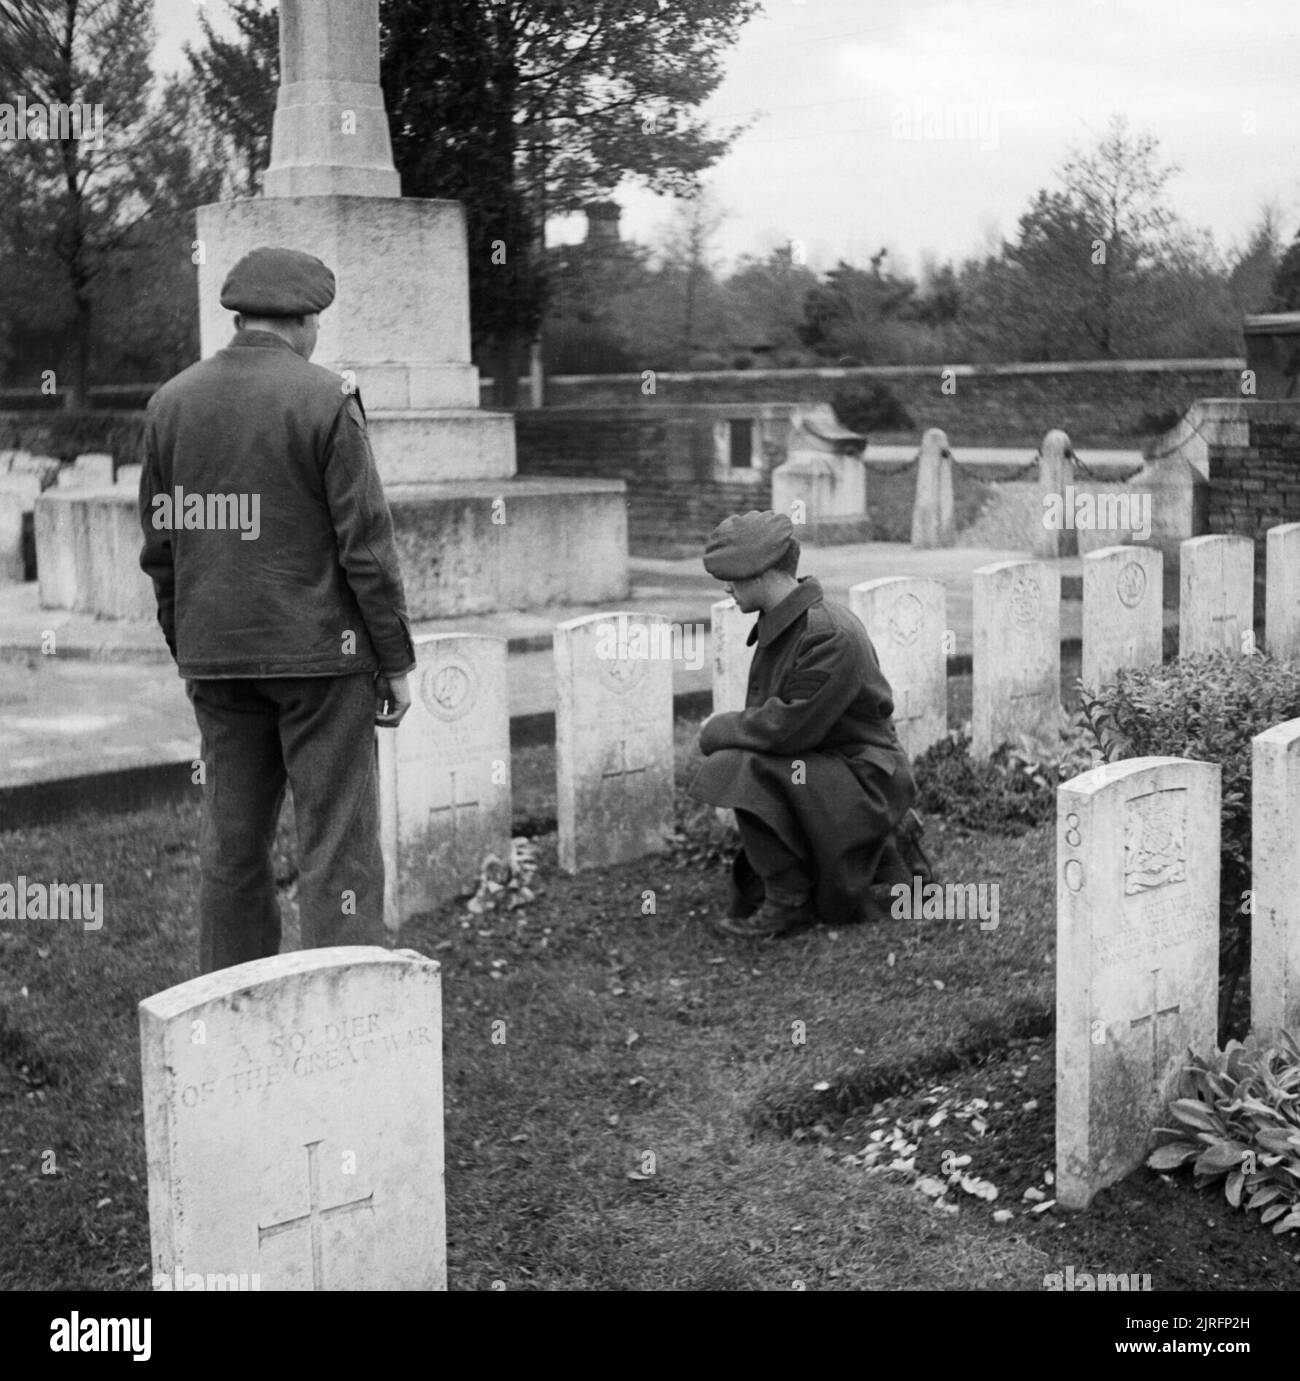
(392, 700)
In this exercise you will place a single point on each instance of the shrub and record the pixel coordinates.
(1207, 708)
(1013, 791)
(1242, 1110)
(1157, 423)
(870, 407)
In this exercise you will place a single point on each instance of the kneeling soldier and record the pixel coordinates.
(812, 766)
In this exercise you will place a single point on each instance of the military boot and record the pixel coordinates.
(780, 912)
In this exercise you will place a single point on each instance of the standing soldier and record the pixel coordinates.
(291, 633)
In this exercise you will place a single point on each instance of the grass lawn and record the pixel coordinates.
(669, 1110)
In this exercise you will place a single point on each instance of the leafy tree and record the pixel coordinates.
(1286, 281)
(765, 300)
(66, 206)
(846, 316)
(1116, 188)
(1255, 267)
(534, 108)
(238, 80)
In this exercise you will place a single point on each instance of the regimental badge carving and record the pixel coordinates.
(1026, 599)
(622, 673)
(905, 620)
(449, 689)
(1155, 841)
(1131, 584)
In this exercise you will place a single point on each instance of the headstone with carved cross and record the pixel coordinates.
(1275, 881)
(1016, 680)
(732, 655)
(906, 620)
(1282, 592)
(293, 1114)
(1137, 957)
(1123, 617)
(444, 775)
(1216, 597)
(613, 738)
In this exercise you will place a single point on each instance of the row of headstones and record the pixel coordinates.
(21, 487)
(1137, 942)
(445, 778)
(1016, 667)
(445, 787)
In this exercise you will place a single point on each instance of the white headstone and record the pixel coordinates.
(129, 476)
(444, 775)
(906, 619)
(728, 629)
(18, 494)
(1123, 617)
(95, 469)
(294, 1123)
(932, 508)
(1216, 601)
(1016, 671)
(613, 738)
(1282, 592)
(1275, 880)
(1137, 958)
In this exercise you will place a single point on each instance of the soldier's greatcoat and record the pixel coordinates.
(814, 754)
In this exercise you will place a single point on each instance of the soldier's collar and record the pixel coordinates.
(258, 338)
(771, 625)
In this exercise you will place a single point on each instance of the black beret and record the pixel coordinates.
(278, 282)
(747, 544)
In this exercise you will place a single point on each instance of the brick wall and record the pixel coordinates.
(1257, 486)
(1100, 403)
(668, 458)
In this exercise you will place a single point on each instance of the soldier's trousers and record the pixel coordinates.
(315, 734)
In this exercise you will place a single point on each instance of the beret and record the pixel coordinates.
(278, 282)
(746, 544)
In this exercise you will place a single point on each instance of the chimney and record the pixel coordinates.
(602, 222)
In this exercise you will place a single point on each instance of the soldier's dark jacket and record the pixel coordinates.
(814, 754)
(319, 592)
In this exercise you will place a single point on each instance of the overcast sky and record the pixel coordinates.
(846, 96)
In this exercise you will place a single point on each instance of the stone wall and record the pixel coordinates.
(1100, 403)
(675, 462)
(1257, 485)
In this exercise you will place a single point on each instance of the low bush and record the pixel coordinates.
(870, 407)
(1239, 1122)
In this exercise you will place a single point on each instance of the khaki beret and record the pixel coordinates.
(278, 282)
(746, 544)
